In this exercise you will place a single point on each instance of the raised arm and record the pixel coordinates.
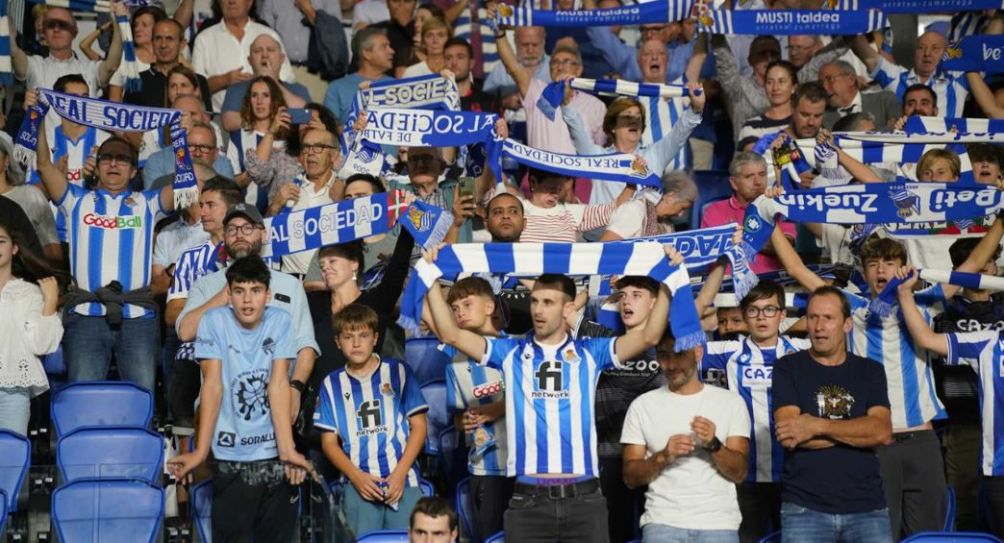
(583, 141)
(712, 285)
(114, 56)
(981, 254)
(792, 262)
(87, 43)
(630, 345)
(864, 51)
(519, 74)
(395, 273)
(19, 59)
(921, 332)
(662, 152)
(53, 180)
(984, 96)
(469, 343)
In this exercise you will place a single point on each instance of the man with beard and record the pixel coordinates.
(243, 234)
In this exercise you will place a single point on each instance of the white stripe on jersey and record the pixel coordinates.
(192, 264)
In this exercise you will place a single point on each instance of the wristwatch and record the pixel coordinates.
(714, 446)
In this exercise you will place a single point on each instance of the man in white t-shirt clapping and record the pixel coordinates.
(689, 443)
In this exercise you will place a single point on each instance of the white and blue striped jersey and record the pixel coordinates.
(550, 395)
(489, 50)
(111, 239)
(470, 384)
(660, 116)
(192, 264)
(371, 415)
(748, 370)
(951, 88)
(912, 396)
(984, 352)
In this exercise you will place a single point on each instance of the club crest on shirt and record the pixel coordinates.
(570, 355)
(130, 202)
(386, 390)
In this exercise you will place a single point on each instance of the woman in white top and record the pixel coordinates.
(29, 325)
(435, 33)
(779, 82)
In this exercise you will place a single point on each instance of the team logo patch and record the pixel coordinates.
(226, 439)
(386, 390)
(570, 355)
(834, 402)
(268, 346)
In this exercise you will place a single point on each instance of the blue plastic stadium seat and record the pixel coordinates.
(426, 361)
(101, 452)
(452, 457)
(384, 536)
(15, 456)
(773, 537)
(3, 510)
(202, 509)
(949, 509)
(462, 504)
(496, 538)
(101, 403)
(952, 537)
(100, 510)
(712, 185)
(438, 415)
(427, 488)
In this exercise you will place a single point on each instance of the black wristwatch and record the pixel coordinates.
(300, 386)
(714, 446)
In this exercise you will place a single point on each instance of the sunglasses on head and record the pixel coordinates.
(58, 24)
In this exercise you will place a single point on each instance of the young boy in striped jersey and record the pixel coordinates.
(747, 365)
(372, 417)
(984, 353)
(912, 467)
(550, 382)
(477, 393)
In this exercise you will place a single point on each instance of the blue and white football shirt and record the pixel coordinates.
(951, 88)
(111, 239)
(984, 352)
(244, 430)
(908, 371)
(748, 369)
(371, 415)
(550, 395)
(469, 384)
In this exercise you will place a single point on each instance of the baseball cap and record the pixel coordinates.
(245, 210)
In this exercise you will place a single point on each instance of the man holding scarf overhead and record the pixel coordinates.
(110, 230)
(60, 31)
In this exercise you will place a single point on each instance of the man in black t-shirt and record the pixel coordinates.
(831, 412)
(459, 58)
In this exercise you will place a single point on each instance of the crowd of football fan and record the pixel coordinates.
(828, 424)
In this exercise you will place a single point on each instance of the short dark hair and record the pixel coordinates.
(921, 87)
(537, 176)
(62, 82)
(354, 316)
(787, 66)
(830, 290)
(470, 286)
(372, 180)
(229, 191)
(352, 250)
(764, 290)
(327, 118)
(434, 506)
(503, 195)
(876, 248)
(556, 281)
(639, 281)
(963, 247)
(249, 269)
(813, 91)
(984, 152)
(459, 42)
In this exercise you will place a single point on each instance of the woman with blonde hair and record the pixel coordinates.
(939, 166)
(435, 33)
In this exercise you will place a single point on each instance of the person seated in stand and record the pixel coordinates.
(373, 418)
(266, 59)
(433, 521)
(653, 213)
(245, 350)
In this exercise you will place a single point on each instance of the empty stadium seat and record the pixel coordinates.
(384, 536)
(426, 487)
(202, 509)
(426, 361)
(101, 510)
(462, 505)
(712, 185)
(438, 416)
(99, 452)
(15, 456)
(952, 537)
(100, 403)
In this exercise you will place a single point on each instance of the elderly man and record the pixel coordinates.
(266, 58)
(843, 97)
(373, 54)
(530, 54)
(222, 50)
(60, 30)
(295, 27)
(951, 88)
(161, 162)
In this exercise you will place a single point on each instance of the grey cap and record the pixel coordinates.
(245, 210)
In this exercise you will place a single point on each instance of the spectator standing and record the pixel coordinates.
(435, 33)
(295, 26)
(160, 163)
(372, 52)
(168, 42)
(843, 97)
(531, 55)
(832, 412)
(652, 214)
(32, 203)
(142, 24)
(459, 59)
(266, 59)
(400, 29)
(269, 164)
(780, 81)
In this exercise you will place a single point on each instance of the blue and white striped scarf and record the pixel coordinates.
(789, 22)
(941, 125)
(899, 150)
(6, 64)
(883, 203)
(975, 54)
(554, 93)
(918, 6)
(113, 116)
(583, 259)
(656, 12)
(431, 91)
(886, 301)
(620, 167)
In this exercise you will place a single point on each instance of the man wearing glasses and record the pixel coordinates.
(316, 186)
(60, 29)
(244, 233)
(746, 367)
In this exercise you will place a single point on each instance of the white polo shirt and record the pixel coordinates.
(44, 71)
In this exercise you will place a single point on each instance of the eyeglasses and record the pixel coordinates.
(105, 158)
(564, 62)
(832, 78)
(201, 148)
(245, 229)
(58, 24)
(315, 148)
(767, 311)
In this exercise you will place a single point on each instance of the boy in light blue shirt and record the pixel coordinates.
(244, 350)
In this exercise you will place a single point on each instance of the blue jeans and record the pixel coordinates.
(90, 342)
(661, 533)
(364, 516)
(14, 403)
(801, 524)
